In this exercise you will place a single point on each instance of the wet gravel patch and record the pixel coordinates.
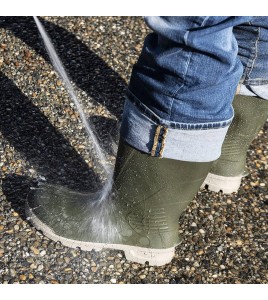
(41, 135)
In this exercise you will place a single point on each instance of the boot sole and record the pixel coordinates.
(155, 257)
(217, 183)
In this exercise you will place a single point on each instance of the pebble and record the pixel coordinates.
(68, 270)
(110, 258)
(220, 248)
(229, 229)
(210, 217)
(239, 242)
(4, 168)
(142, 276)
(22, 277)
(12, 272)
(16, 227)
(202, 231)
(1, 253)
(134, 266)
(60, 261)
(174, 269)
(67, 260)
(54, 281)
(113, 280)
(40, 268)
(42, 253)
(35, 250)
(33, 266)
(187, 258)
(3, 46)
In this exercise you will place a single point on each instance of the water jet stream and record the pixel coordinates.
(58, 65)
(98, 201)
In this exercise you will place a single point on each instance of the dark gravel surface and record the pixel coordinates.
(41, 135)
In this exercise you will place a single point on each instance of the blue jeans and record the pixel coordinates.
(179, 99)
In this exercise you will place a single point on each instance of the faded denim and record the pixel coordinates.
(179, 99)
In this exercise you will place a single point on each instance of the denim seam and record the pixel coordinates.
(204, 21)
(186, 37)
(255, 82)
(186, 67)
(256, 52)
(188, 31)
(174, 125)
(184, 76)
(251, 60)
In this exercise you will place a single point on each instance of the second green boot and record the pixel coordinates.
(250, 114)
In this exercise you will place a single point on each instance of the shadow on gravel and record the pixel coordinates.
(16, 189)
(31, 134)
(86, 69)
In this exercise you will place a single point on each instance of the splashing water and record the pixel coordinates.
(99, 199)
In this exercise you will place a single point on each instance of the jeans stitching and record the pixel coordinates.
(204, 21)
(250, 63)
(174, 125)
(186, 67)
(256, 52)
(183, 82)
(256, 82)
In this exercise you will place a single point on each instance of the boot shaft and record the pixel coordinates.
(152, 193)
(250, 113)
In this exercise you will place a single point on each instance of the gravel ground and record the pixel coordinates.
(41, 135)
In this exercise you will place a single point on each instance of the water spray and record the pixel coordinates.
(98, 201)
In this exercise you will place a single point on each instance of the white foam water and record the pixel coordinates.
(101, 198)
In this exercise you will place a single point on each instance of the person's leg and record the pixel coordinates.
(176, 115)
(250, 106)
(183, 84)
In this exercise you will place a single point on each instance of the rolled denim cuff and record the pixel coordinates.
(145, 131)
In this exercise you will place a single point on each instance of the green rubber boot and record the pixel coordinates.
(140, 217)
(227, 172)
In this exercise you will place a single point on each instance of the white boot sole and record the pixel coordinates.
(155, 257)
(217, 183)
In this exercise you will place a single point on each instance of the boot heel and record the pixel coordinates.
(217, 183)
(155, 257)
(227, 172)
